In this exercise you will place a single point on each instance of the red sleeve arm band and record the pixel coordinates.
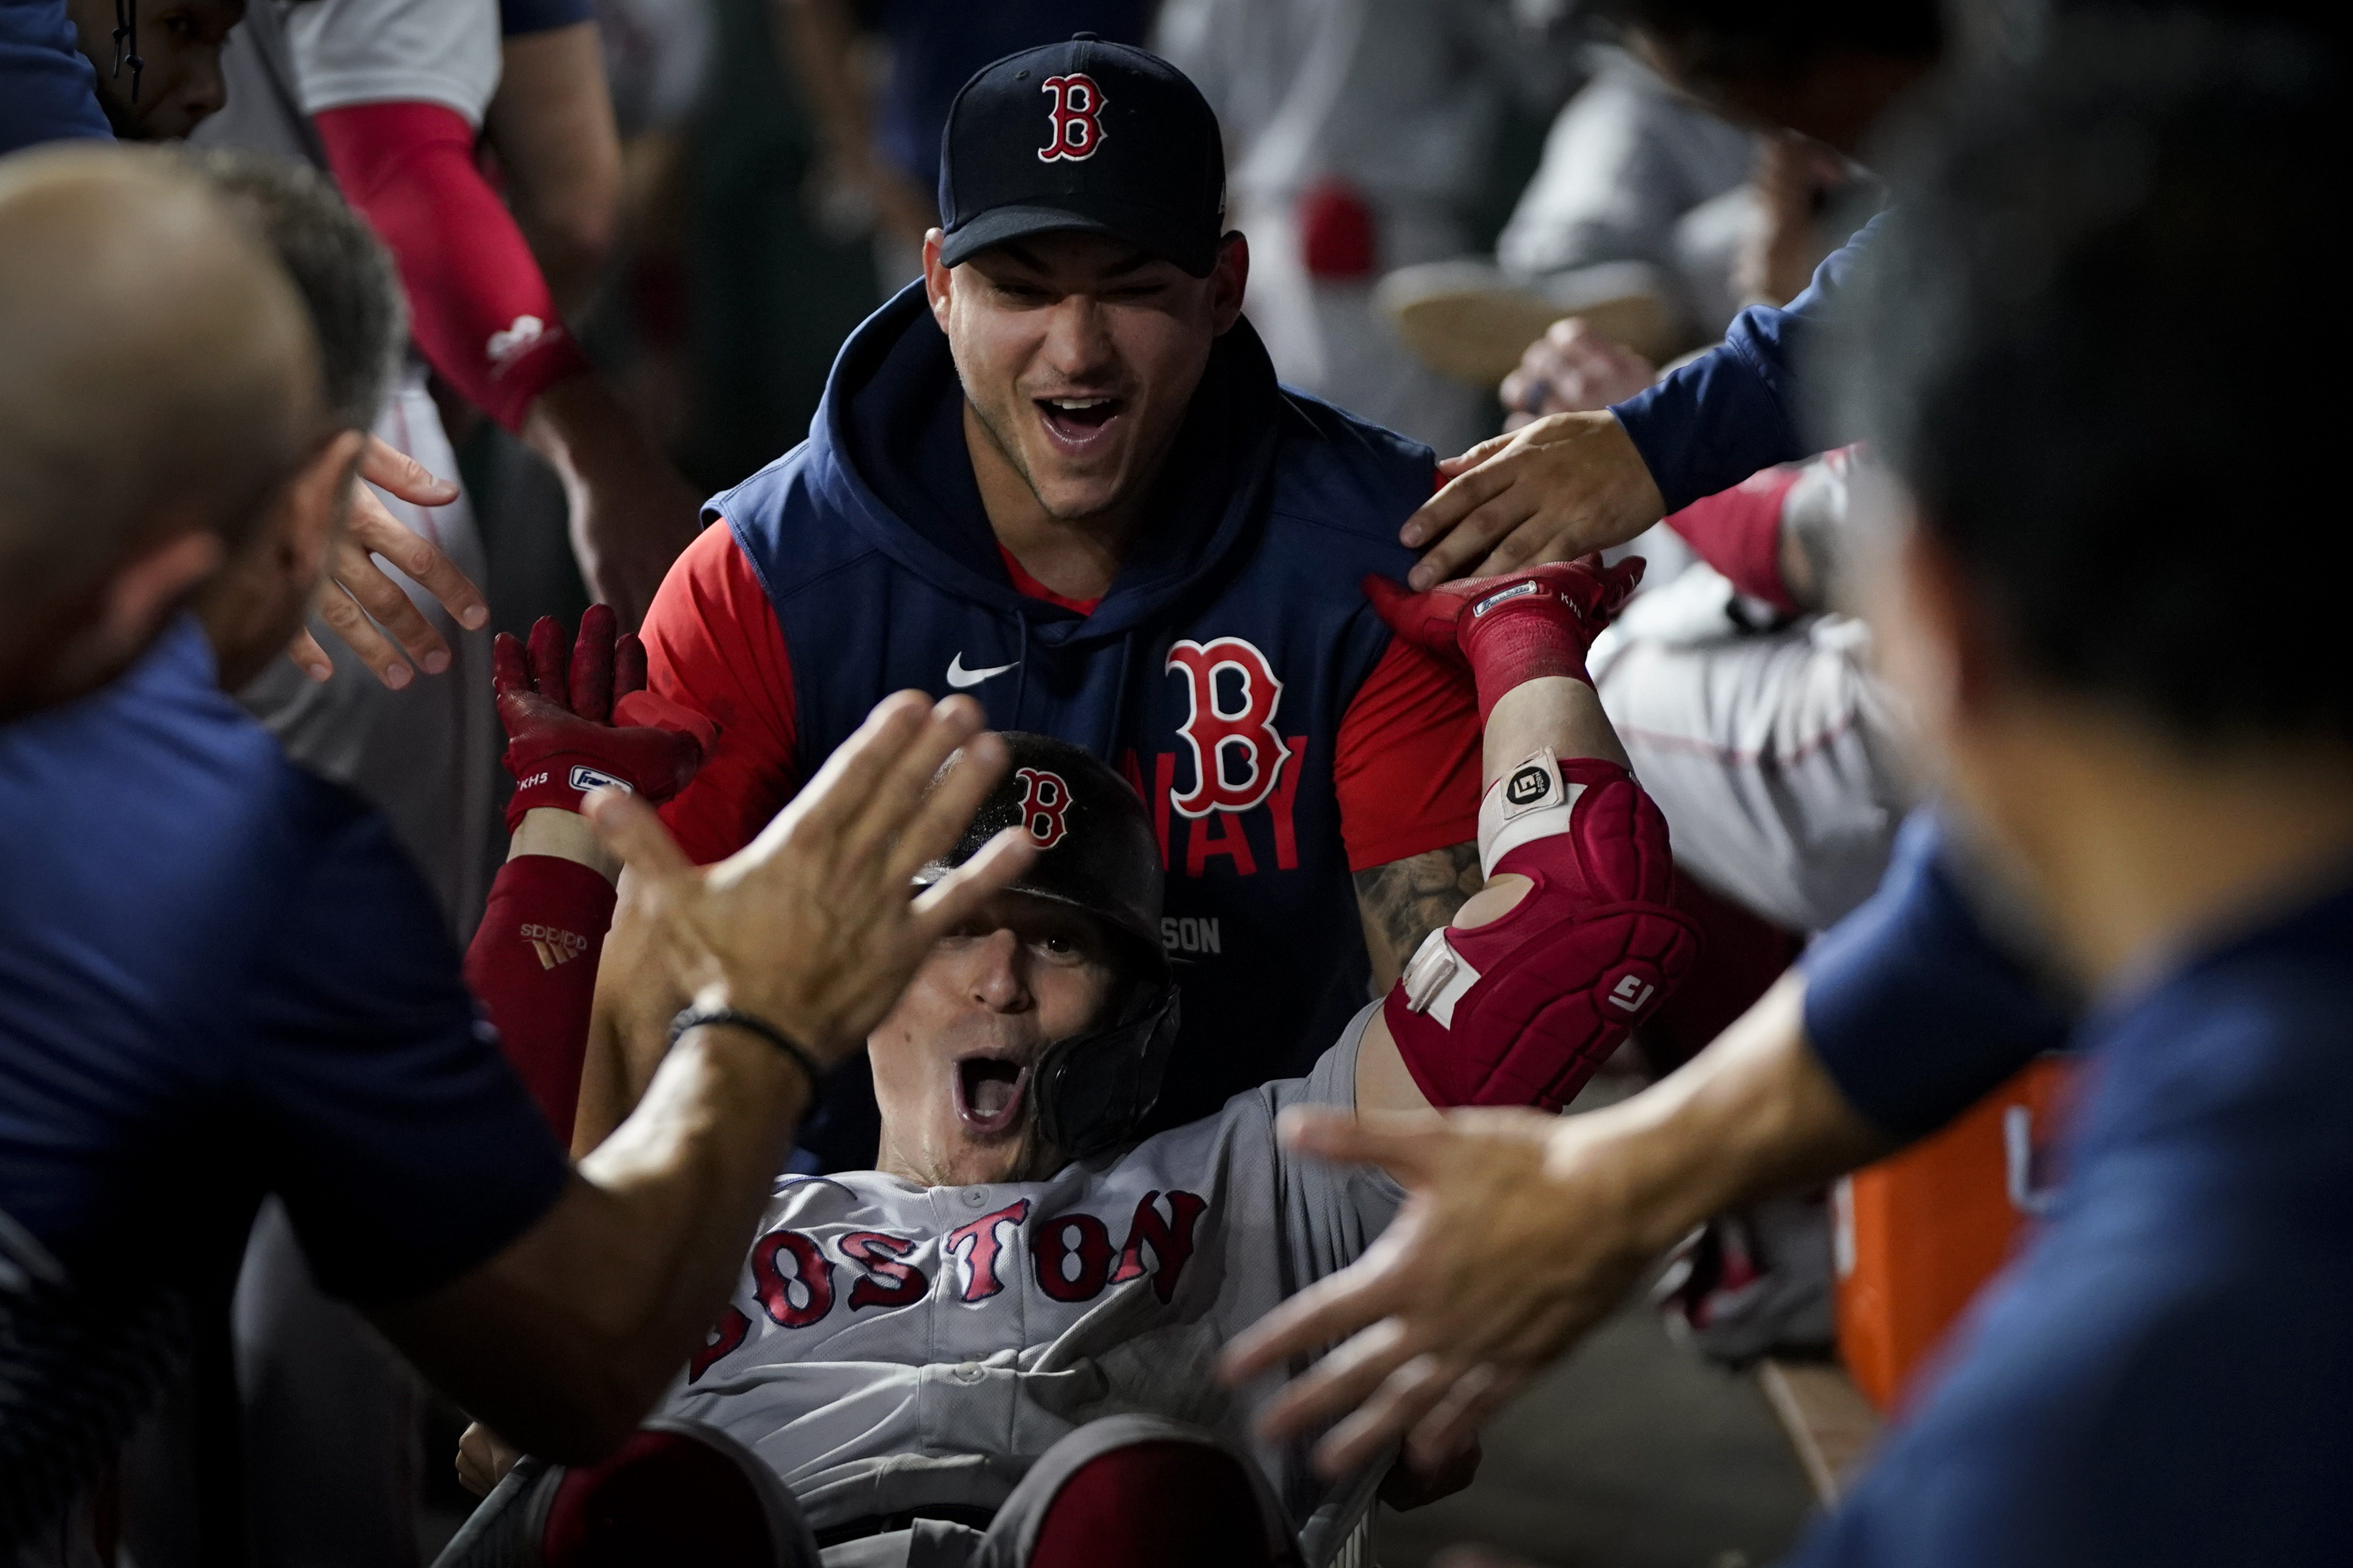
(533, 964)
(477, 304)
(713, 645)
(1738, 533)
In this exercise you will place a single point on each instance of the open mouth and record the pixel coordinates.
(1078, 422)
(988, 1092)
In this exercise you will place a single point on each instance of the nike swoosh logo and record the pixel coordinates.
(960, 677)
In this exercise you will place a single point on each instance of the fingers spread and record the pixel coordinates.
(1453, 468)
(592, 679)
(832, 799)
(629, 667)
(1326, 1312)
(903, 814)
(631, 829)
(510, 665)
(376, 530)
(1406, 1145)
(308, 657)
(1478, 529)
(349, 622)
(1339, 1383)
(382, 463)
(929, 813)
(954, 897)
(1476, 1395)
(391, 608)
(547, 660)
(1388, 1415)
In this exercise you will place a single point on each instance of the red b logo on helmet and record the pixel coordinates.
(1043, 805)
(1078, 128)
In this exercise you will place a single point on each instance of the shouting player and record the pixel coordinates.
(1019, 1309)
(1060, 476)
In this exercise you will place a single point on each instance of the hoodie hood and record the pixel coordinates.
(887, 453)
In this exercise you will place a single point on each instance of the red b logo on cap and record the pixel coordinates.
(1077, 129)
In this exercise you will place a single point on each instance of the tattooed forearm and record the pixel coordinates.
(1406, 900)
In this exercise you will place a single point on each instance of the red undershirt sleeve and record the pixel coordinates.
(478, 306)
(712, 643)
(1407, 766)
(1738, 533)
(532, 962)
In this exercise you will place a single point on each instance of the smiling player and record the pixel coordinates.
(1059, 474)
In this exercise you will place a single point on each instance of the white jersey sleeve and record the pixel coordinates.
(396, 51)
(889, 1345)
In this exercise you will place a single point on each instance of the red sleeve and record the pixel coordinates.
(712, 643)
(533, 962)
(476, 303)
(1407, 768)
(1738, 533)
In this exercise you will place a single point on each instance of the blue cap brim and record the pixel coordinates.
(1148, 231)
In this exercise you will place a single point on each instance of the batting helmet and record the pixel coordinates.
(1097, 852)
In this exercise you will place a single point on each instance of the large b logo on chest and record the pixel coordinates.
(1237, 753)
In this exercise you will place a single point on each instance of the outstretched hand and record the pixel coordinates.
(1512, 1241)
(580, 717)
(814, 925)
(1560, 488)
(360, 604)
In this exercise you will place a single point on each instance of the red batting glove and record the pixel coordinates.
(563, 738)
(1514, 628)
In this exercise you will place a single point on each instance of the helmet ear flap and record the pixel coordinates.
(1094, 1089)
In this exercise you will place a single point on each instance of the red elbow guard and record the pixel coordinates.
(533, 964)
(1522, 1010)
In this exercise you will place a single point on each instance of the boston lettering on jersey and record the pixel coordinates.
(1214, 673)
(1071, 1255)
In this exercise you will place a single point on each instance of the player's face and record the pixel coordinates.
(952, 1062)
(1079, 355)
(180, 83)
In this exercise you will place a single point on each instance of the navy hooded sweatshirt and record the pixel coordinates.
(1216, 673)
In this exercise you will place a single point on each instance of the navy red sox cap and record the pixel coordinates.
(1084, 135)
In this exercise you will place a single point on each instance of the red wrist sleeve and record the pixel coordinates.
(1738, 533)
(533, 964)
(476, 303)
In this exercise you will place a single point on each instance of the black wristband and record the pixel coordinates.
(707, 1017)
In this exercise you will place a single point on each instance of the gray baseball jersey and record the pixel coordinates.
(892, 1345)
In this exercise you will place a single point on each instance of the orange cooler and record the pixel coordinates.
(1919, 1232)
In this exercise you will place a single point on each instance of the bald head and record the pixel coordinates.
(158, 377)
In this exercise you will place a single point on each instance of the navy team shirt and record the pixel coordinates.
(2165, 1375)
(218, 977)
(47, 88)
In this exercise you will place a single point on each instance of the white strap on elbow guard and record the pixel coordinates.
(1531, 801)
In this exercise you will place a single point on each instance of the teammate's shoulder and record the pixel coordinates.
(1338, 471)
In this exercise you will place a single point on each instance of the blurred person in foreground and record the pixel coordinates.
(2161, 1377)
(272, 1003)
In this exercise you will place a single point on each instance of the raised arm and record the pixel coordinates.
(563, 1340)
(1569, 483)
(1574, 938)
